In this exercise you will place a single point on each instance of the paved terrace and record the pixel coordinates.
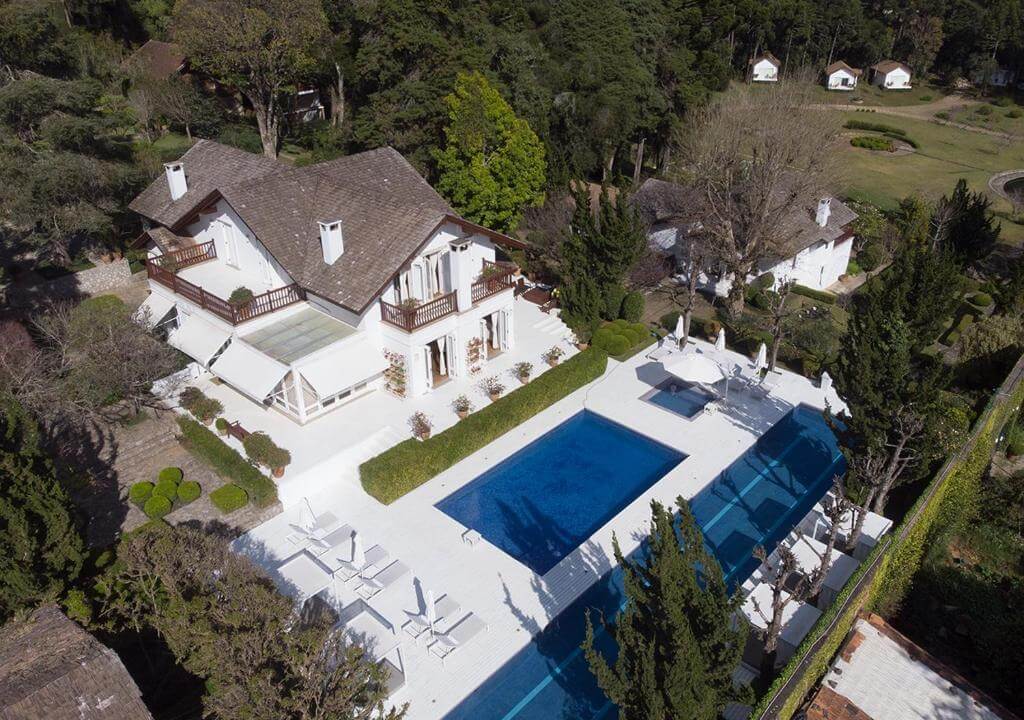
(515, 602)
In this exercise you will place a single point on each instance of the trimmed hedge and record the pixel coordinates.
(981, 299)
(189, 492)
(874, 127)
(156, 507)
(873, 142)
(952, 497)
(619, 337)
(227, 462)
(411, 463)
(633, 307)
(166, 488)
(140, 492)
(228, 498)
(170, 474)
(823, 296)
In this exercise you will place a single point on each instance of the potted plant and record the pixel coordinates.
(262, 451)
(420, 425)
(240, 296)
(522, 371)
(203, 408)
(552, 356)
(222, 426)
(492, 387)
(462, 406)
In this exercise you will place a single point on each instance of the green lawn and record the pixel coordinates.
(992, 117)
(869, 95)
(945, 155)
(169, 146)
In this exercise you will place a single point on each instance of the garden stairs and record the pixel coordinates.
(553, 325)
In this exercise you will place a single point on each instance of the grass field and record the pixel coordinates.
(992, 117)
(873, 95)
(946, 154)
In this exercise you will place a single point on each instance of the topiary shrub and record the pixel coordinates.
(981, 299)
(613, 296)
(618, 345)
(171, 474)
(227, 462)
(167, 489)
(633, 307)
(229, 498)
(262, 450)
(240, 296)
(189, 492)
(156, 507)
(872, 142)
(140, 492)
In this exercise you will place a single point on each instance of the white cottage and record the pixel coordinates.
(840, 76)
(814, 251)
(890, 75)
(306, 287)
(764, 68)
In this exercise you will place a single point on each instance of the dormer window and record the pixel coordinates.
(331, 241)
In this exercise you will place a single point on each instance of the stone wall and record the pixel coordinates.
(95, 281)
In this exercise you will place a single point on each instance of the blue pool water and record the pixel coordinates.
(757, 500)
(539, 504)
(678, 397)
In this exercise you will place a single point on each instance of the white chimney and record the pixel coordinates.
(331, 241)
(176, 179)
(824, 210)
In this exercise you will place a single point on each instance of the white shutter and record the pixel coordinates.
(508, 336)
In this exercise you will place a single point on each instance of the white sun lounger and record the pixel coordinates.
(457, 636)
(443, 609)
(373, 557)
(382, 580)
(332, 540)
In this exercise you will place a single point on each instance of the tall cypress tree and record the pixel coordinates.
(677, 648)
(40, 548)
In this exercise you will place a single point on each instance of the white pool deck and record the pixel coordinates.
(514, 601)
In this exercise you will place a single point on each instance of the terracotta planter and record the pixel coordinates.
(552, 362)
(463, 414)
(223, 432)
(493, 396)
(278, 472)
(207, 421)
(523, 379)
(582, 346)
(423, 436)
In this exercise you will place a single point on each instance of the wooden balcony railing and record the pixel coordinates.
(186, 256)
(496, 277)
(412, 318)
(268, 302)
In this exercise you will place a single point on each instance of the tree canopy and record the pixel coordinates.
(492, 165)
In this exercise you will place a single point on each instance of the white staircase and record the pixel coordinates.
(552, 325)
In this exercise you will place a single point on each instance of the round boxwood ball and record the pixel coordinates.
(982, 299)
(140, 492)
(171, 474)
(189, 491)
(167, 489)
(618, 345)
(157, 506)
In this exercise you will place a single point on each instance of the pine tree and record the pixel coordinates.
(492, 165)
(969, 228)
(40, 548)
(677, 647)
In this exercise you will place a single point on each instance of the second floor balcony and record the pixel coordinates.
(414, 314)
(186, 273)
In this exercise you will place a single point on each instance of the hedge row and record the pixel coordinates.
(874, 127)
(411, 463)
(228, 463)
(952, 496)
(228, 498)
(822, 295)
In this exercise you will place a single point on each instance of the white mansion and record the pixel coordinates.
(307, 287)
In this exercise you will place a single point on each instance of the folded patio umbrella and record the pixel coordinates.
(431, 610)
(679, 329)
(720, 340)
(358, 554)
(826, 381)
(761, 361)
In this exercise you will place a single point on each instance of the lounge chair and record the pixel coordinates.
(382, 580)
(333, 539)
(373, 557)
(443, 609)
(458, 635)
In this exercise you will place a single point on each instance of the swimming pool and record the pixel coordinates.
(757, 500)
(539, 504)
(678, 397)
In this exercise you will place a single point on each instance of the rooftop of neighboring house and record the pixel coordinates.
(840, 65)
(663, 203)
(51, 668)
(880, 674)
(387, 212)
(157, 59)
(887, 66)
(766, 56)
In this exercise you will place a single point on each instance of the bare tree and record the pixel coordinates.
(754, 155)
(835, 507)
(177, 100)
(864, 479)
(788, 584)
(776, 301)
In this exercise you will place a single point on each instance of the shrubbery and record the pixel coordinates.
(871, 256)
(189, 492)
(981, 299)
(229, 498)
(170, 474)
(167, 489)
(262, 451)
(156, 507)
(821, 295)
(227, 462)
(872, 142)
(874, 127)
(140, 492)
(633, 307)
(411, 463)
(853, 268)
(619, 337)
(199, 405)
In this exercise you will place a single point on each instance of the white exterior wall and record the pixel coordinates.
(897, 79)
(816, 267)
(764, 71)
(835, 80)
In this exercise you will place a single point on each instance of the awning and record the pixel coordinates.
(198, 338)
(153, 310)
(247, 369)
(355, 360)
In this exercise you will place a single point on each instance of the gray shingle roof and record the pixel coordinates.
(887, 66)
(840, 65)
(51, 669)
(157, 59)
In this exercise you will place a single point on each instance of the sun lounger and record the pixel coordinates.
(382, 580)
(331, 540)
(443, 609)
(457, 636)
(345, 570)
